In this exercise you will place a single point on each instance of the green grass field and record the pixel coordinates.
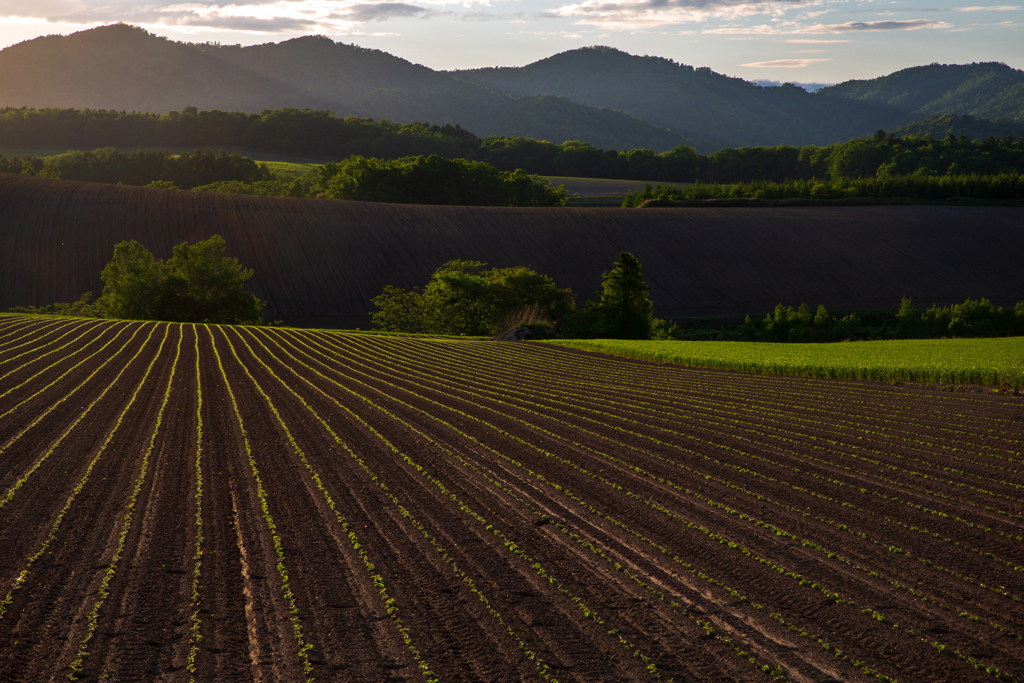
(950, 361)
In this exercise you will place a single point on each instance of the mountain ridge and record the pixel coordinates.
(588, 94)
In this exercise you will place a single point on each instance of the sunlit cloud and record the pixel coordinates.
(785, 63)
(814, 40)
(790, 28)
(647, 14)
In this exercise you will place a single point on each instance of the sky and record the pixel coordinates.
(799, 41)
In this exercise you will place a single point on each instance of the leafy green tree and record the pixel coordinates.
(132, 283)
(465, 297)
(197, 284)
(623, 300)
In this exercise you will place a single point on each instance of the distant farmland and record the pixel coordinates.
(184, 502)
(320, 261)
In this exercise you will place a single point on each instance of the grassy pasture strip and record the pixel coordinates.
(282, 570)
(874, 614)
(533, 399)
(542, 669)
(66, 372)
(575, 501)
(953, 361)
(27, 330)
(195, 636)
(21, 578)
(863, 394)
(387, 602)
(565, 491)
(509, 544)
(629, 388)
(817, 547)
(53, 446)
(92, 619)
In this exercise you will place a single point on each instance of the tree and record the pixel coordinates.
(623, 301)
(132, 282)
(197, 284)
(465, 297)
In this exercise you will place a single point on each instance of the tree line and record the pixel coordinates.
(320, 133)
(409, 180)
(1004, 187)
(972, 318)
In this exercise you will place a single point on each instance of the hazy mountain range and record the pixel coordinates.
(599, 95)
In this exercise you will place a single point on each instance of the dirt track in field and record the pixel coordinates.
(225, 504)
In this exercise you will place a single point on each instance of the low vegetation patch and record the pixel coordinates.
(991, 362)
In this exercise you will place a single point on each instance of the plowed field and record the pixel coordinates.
(185, 502)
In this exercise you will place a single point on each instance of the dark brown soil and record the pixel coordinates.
(390, 509)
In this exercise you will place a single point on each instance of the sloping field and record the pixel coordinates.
(226, 504)
(322, 261)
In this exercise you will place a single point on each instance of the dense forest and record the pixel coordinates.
(320, 133)
(598, 95)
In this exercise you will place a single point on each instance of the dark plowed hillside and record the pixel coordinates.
(324, 260)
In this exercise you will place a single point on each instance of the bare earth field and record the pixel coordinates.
(318, 262)
(184, 502)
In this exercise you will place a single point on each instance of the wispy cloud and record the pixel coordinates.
(785, 63)
(382, 11)
(814, 41)
(646, 14)
(855, 26)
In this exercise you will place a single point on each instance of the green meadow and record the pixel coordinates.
(950, 361)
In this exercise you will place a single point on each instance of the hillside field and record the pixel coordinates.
(189, 502)
(319, 262)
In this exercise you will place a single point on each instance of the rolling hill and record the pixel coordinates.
(319, 262)
(599, 95)
(126, 68)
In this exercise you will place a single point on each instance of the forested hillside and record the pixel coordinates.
(972, 128)
(598, 95)
(126, 68)
(988, 90)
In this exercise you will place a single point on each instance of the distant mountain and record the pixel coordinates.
(696, 102)
(939, 127)
(600, 95)
(125, 67)
(988, 90)
(809, 87)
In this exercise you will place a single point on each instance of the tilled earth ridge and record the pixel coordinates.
(184, 502)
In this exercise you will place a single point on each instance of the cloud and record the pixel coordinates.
(42, 9)
(813, 40)
(382, 11)
(785, 63)
(854, 26)
(643, 14)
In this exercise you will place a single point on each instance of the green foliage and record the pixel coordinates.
(974, 129)
(85, 307)
(434, 180)
(973, 318)
(922, 187)
(467, 298)
(146, 167)
(623, 302)
(991, 362)
(197, 284)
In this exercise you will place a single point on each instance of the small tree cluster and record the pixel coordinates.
(465, 297)
(197, 284)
